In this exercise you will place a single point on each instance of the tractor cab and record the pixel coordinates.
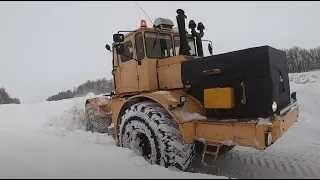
(148, 58)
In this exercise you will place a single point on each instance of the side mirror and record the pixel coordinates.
(119, 48)
(108, 47)
(118, 37)
(210, 48)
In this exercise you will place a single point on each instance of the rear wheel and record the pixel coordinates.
(151, 132)
(93, 123)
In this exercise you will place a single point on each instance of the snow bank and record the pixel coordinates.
(69, 123)
(70, 119)
(47, 140)
(303, 78)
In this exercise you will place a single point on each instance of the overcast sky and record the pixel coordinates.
(48, 47)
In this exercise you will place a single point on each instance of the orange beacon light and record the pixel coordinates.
(143, 23)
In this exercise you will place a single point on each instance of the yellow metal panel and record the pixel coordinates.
(219, 98)
(275, 130)
(214, 132)
(116, 104)
(244, 134)
(170, 76)
(129, 76)
(188, 131)
(241, 134)
(282, 125)
(259, 140)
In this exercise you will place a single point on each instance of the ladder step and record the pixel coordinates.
(213, 144)
(212, 153)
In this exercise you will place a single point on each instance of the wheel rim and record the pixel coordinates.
(141, 145)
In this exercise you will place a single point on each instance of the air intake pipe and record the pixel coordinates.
(198, 36)
(184, 48)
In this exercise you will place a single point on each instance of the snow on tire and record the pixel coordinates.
(151, 132)
(95, 124)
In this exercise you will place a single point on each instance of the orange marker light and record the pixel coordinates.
(143, 23)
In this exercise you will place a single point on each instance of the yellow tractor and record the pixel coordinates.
(169, 97)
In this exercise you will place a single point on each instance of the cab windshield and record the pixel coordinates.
(160, 45)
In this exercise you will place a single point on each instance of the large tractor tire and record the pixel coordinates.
(151, 132)
(95, 124)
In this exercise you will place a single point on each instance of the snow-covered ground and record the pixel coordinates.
(46, 140)
(303, 78)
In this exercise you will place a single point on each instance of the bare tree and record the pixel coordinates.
(302, 60)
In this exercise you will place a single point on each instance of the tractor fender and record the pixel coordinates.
(185, 116)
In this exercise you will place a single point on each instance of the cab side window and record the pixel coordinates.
(128, 52)
(139, 46)
(281, 85)
(115, 58)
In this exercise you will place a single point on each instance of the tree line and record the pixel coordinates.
(6, 99)
(302, 60)
(99, 86)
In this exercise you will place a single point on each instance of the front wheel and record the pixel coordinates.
(151, 132)
(95, 124)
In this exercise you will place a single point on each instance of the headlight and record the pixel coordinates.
(183, 99)
(294, 95)
(274, 106)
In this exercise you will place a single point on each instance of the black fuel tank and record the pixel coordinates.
(262, 69)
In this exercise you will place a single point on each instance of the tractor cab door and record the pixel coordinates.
(116, 71)
(128, 69)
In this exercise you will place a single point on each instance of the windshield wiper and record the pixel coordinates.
(155, 41)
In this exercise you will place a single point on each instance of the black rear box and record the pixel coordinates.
(263, 70)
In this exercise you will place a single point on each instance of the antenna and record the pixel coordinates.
(144, 12)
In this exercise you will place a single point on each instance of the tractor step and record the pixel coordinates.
(214, 153)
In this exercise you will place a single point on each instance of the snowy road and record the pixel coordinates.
(45, 140)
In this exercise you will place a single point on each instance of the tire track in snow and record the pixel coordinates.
(250, 164)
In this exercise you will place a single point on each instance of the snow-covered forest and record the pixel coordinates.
(302, 60)
(99, 86)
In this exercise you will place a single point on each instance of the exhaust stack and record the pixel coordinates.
(198, 36)
(184, 48)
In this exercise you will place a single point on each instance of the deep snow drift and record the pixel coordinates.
(46, 140)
